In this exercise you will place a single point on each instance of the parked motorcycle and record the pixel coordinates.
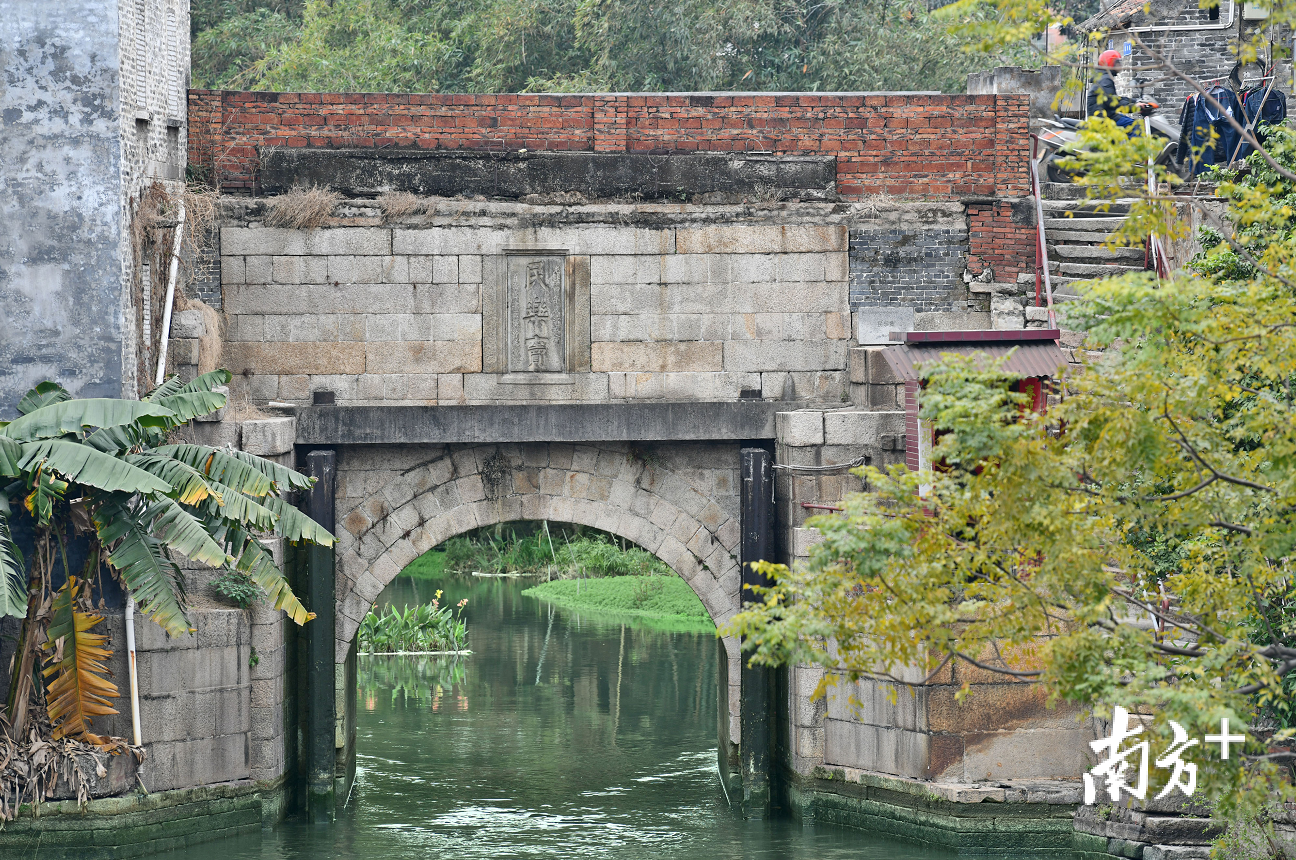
(1060, 138)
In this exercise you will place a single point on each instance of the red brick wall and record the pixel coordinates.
(995, 241)
(937, 147)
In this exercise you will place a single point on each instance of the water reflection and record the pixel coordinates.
(560, 736)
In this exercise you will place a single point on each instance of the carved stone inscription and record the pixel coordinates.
(534, 322)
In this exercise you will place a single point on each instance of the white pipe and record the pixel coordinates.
(134, 675)
(170, 296)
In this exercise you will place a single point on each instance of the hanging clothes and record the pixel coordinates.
(1185, 153)
(1261, 110)
(1200, 120)
(1226, 107)
(1195, 145)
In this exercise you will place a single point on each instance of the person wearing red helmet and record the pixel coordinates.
(1103, 100)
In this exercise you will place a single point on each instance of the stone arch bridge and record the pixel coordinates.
(395, 482)
(660, 316)
(678, 501)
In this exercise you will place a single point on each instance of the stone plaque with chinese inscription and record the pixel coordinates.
(534, 324)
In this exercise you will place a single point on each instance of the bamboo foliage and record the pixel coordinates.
(79, 689)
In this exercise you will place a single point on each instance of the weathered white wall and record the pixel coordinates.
(60, 204)
(81, 138)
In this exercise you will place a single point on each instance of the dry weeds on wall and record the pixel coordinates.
(400, 204)
(153, 237)
(301, 208)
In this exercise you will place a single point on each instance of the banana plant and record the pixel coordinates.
(111, 470)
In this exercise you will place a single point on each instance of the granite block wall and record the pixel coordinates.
(685, 303)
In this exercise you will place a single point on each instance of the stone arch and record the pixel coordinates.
(396, 503)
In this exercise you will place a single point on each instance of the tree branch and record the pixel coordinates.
(1002, 671)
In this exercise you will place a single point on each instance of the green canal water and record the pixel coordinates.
(561, 736)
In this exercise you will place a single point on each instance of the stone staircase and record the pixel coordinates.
(1075, 231)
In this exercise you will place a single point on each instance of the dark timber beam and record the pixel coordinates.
(563, 422)
(321, 706)
(756, 715)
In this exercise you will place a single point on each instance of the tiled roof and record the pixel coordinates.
(1122, 11)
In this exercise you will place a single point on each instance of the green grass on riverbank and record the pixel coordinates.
(663, 598)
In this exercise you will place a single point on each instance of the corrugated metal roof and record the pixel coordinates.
(1027, 359)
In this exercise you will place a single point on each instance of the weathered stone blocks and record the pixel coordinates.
(657, 357)
(800, 429)
(755, 239)
(267, 437)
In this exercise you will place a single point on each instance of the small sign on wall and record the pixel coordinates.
(873, 326)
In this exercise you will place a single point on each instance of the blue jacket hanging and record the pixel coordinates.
(1196, 121)
(1229, 107)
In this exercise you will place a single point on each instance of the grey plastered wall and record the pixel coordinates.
(61, 218)
(92, 108)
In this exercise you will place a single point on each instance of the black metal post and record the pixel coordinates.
(755, 717)
(321, 709)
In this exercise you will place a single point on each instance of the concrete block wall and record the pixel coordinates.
(913, 262)
(211, 702)
(686, 302)
(195, 694)
(809, 440)
(1002, 731)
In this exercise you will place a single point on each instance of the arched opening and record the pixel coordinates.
(570, 724)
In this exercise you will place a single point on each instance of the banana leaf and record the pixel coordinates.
(241, 509)
(191, 404)
(194, 398)
(10, 454)
(257, 563)
(44, 394)
(152, 578)
(48, 490)
(123, 437)
(184, 533)
(80, 689)
(173, 386)
(294, 525)
(222, 467)
(74, 416)
(84, 465)
(282, 476)
(188, 485)
(13, 578)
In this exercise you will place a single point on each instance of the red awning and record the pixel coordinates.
(1033, 358)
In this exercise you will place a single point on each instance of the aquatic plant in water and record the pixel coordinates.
(419, 628)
